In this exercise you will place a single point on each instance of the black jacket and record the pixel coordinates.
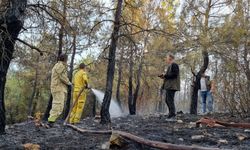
(172, 78)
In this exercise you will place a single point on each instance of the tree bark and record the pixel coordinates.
(61, 31)
(105, 116)
(130, 84)
(69, 96)
(11, 23)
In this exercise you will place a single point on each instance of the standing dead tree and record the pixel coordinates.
(105, 116)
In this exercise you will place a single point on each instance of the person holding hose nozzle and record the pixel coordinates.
(171, 83)
(80, 82)
(59, 86)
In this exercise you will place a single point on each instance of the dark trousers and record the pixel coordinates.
(170, 101)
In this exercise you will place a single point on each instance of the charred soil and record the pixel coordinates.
(153, 127)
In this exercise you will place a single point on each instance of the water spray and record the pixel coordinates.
(114, 109)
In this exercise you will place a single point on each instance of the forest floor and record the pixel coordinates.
(153, 127)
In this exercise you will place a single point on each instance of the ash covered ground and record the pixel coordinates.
(153, 127)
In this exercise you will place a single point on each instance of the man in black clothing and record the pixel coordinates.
(171, 83)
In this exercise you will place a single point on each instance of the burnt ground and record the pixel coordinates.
(154, 127)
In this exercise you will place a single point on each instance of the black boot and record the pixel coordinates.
(50, 124)
(170, 116)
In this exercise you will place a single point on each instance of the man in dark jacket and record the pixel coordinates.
(171, 83)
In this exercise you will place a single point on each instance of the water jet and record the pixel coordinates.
(114, 109)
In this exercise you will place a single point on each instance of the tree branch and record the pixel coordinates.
(31, 46)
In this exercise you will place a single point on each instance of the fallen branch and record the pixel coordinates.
(159, 145)
(89, 131)
(234, 125)
(151, 143)
(215, 123)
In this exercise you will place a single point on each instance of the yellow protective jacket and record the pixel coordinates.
(59, 78)
(80, 80)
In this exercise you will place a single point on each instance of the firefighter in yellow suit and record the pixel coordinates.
(59, 86)
(80, 82)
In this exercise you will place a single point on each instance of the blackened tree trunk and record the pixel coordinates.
(60, 49)
(67, 106)
(11, 22)
(131, 104)
(61, 31)
(105, 116)
(196, 83)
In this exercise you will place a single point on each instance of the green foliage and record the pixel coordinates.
(16, 99)
(150, 30)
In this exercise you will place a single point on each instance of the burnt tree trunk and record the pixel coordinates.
(11, 23)
(196, 83)
(130, 85)
(60, 49)
(61, 30)
(67, 106)
(105, 116)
